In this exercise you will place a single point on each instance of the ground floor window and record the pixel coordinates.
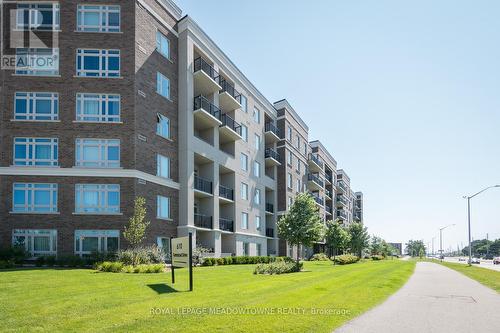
(96, 241)
(246, 249)
(36, 242)
(259, 249)
(164, 244)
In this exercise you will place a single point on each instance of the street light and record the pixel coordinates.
(468, 216)
(441, 240)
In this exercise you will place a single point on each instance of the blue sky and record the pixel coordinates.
(405, 95)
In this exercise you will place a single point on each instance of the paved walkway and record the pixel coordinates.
(435, 299)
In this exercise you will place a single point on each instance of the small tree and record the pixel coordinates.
(336, 237)
(135, 231)
(301, 225)
(360, 239)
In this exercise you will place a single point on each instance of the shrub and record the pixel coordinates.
(280, 267)
(110, 266)
(228, 260)
(220, 261)
(377, 257)
(7, 263)
(208, 261)
(15, 253)
(319, 257)
(142, 256)
(70, 261)
(346, 259)
(50, 261)
(119, 267)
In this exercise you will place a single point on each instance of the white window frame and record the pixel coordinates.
(244, 162)
(159, 119)
(102, 146)
(161, 37)
(31, 99)
(244, 132)
(299, 187)
(244, 220)
(30, 205)
(29, 240)
(256, 197)
(289, 133)
(256, 169)
(34, 9)
(258, 223)
(290, 158)
(104, 57)
(246, 248)
(103, 101)
(258, 249)
(160, 214)
(244, 105)
(162, 160)
(244, 191)
(256, 115)
(257, 142)
(289, 182)
(102, 240)
(103, 191)
(159, 243)
(31, 58)
(103, 12)
(30, 145)
(160, 81)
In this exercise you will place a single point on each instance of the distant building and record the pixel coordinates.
(398, 247)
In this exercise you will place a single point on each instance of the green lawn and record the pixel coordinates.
(83, 300)
(488, 277)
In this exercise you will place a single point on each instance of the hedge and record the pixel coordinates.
(242, 260)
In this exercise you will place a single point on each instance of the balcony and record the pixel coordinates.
(205, 113)
(270, 232)
(206, 78)
(272, 133)
(318, 200)
(342, 185)
(342, 201)
(328, 210)
(272, 157)
(229, 130)
(202, 187)
(226, 224)
(341, 215)
(315, 163)
(203, 221)
(328, 178)
(269, 208)
(226, 194)
(228, 97)
(315, 183)
(328, 194)
(357, 217)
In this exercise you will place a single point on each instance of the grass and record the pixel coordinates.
(488, 277)
(83, 300)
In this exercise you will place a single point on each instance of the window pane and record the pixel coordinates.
(112, 244)
(90, 244)
(41, 243)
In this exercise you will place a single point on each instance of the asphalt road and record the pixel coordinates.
(435, 299)
(484, 263)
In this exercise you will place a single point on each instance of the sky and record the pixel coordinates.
(404, 94)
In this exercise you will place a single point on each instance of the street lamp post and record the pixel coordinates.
(468, 217)
(441, 256)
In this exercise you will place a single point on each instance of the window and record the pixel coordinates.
(244, 220)
(244, 132)
(246, 249)
(256, 115)
(162, 207)
(37, 16)
(244, 162)
(299, 163)
(35, 151)
(162, 45)
(37, 62)
(162, 85)
(164, 244)
(97, 198)
(299, 188)
(257, 141)
(244, 103)
(36, 106)
(162, 166)
(259, 249)
(94, 18)
(256, 197)
(98, 63)
(34, 198)
(256, 169)
(98, 153)
(305, 148)
(101, 241)
(289, 134)
(289, 180)
(36, 242)
(290, 158)
(103, 108)
(163, 126)
(244, 191)
(290, 202)
(257, 223)
(298, 142)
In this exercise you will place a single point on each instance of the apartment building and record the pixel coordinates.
(141, 102)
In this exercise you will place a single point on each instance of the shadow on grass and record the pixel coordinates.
(162, 288)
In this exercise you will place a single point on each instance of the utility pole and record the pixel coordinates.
(441, 256)
(433, 245)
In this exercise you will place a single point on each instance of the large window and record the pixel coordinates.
(98, 153)
(35, 151)
(34, 198)
(103, 108)
(246, 248)
(289, 181)
(164, 244)
(244, 103)
(163, 126)
(257, 141)
(244, 220)
(162, 207)
(244, 162)
(98, 63)
(97, 198)
(94, 18)
(88, 242)
(256, 115)
(244, 132)
(162, 85)
(37, 61)
(36, 106)
(258, 225)
(256, 197)
(36, 242)
(162, 45)
(256, 169)
(259, 249)
(244, 191)
(289, 134)
(37, 16)
(162, 166)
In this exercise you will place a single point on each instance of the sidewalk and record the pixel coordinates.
(435, 299)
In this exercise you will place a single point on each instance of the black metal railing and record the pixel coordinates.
(269, 207)
(226, 192)
(203, 221)
(328, 209)
(201, 102)
(342, 185)
(329, 178)
(271, 127)
(328, 193)
(318, 199)
(226, 224)
(316, 160)
(341, 214)
(316, 179)
(229, 88)
(231, 123)
(269, 232)
(342, 199)
(203, 65)
(203, 185)
(271, 153)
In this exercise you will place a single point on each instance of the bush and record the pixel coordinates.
(14, 253)
(70, 261)
(319, 257)
(280, 267)
(119, 267)
(50, 261)
(228, 260)
(208, 261)
(346, 259)
(40, 261)
(377, 257)
(7, 263)
(142, 256)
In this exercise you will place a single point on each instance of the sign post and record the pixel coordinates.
(182, 256)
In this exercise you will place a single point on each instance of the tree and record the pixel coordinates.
(415, 248)
(336, 237)
(135, 231)
(360, 239)
(301, 225)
